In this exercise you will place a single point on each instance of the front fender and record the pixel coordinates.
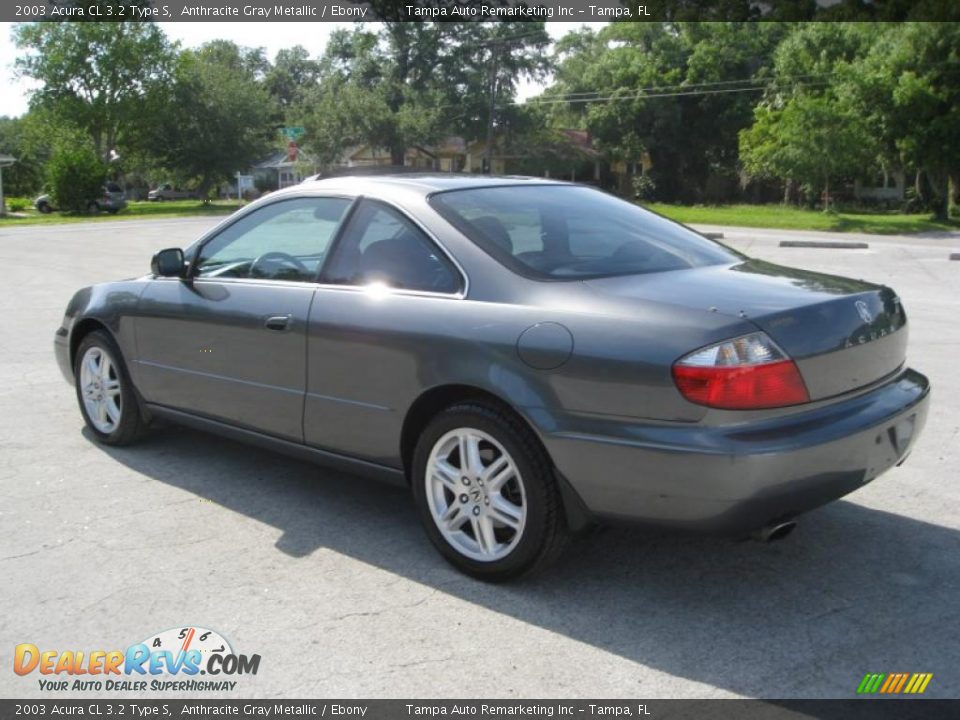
(110, 306)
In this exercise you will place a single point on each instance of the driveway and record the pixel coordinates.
(330, 579)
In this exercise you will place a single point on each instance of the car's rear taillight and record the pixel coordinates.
(746, 373)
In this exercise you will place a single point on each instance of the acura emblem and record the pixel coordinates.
(864, 311)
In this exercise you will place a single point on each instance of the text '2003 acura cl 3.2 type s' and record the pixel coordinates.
(531, 357)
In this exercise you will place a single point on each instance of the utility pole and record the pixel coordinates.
(488, 150)
(495, 44)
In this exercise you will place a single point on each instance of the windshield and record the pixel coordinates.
(557, 232)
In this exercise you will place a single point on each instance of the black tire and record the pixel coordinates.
(545, 531)
(131, 424)
(45, 208)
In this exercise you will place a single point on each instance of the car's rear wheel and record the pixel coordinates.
(486, 493)
(45, 208)
(105, 392)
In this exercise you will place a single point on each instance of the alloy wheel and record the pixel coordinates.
(476, 494)
(100, 389)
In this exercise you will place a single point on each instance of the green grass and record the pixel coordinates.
(135, 210)
(759, 216)
(790, 218)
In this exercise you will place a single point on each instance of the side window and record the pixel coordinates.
(380, 245)
(286, 240)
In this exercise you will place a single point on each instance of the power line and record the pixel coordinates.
(647, 95)
(644, 93)
(767, 82)
(715, 83)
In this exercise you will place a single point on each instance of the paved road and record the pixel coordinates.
(330, 579)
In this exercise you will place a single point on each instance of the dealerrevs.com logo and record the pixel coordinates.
(171, 660)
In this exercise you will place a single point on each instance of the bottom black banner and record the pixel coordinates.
(393, 709)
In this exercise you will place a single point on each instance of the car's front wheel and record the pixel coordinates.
(486, 493)
(105, 392)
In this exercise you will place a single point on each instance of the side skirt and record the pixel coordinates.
(331, 460)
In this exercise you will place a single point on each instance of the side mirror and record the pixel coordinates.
(168, 263)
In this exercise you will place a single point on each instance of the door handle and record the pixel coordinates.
(277, 322)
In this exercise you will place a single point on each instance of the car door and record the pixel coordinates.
(229, 342)
(386, 288)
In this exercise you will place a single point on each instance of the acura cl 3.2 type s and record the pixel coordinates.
(531, 357)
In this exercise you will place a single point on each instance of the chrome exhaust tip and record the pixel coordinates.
(774, 532)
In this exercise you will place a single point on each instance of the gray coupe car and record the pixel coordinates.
(531, 357)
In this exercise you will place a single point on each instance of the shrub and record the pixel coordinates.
(644, 187)
(17, 204)
(75, 176)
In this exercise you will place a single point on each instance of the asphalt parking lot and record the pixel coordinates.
(330, 579)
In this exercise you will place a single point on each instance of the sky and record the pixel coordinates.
(14, 93)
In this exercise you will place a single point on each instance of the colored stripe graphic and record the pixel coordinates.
(894, 683)
(891, 681)
(870, 683)
(918, 683)
(903, 679)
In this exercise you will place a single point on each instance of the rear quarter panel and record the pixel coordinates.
(371, 356)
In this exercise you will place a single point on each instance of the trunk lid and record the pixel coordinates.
(842, 333)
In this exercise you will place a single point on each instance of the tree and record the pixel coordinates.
(96, 76)
(75, 173)
(811, 139)
(215, 118)
(807, 129)
(359, 99)
(411, 83)
(907, 89)
(24, 177)
(292, 75)
(481, 68)
(678, 91)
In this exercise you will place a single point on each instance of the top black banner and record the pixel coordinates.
(477, 10)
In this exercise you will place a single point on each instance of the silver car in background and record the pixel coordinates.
(112, 199)
(530, 357)
(168, 191)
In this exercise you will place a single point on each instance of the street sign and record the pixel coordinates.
(293, 133)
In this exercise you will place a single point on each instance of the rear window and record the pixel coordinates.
(557, 232)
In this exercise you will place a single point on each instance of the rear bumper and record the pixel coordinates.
(741, 477)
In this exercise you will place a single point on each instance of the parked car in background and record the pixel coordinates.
(168, 191)
(112, 200)
(529, 356)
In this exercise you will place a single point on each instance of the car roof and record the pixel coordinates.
(426, 183)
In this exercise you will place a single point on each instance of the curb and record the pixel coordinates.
(825, 244)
